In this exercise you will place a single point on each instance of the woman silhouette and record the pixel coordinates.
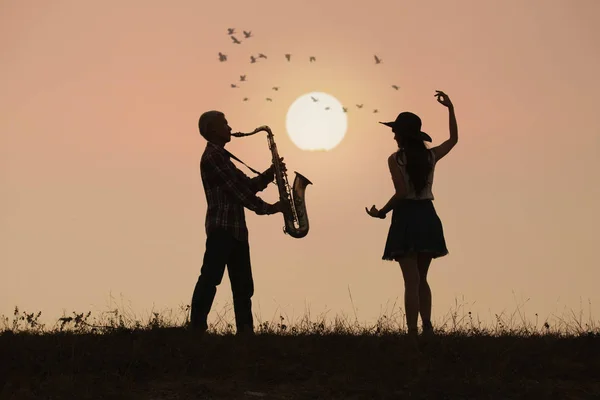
(416, 234)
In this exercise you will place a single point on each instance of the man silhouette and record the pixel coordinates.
(228, 191)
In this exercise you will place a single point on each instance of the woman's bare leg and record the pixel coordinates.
(410, 272)
(423, 262)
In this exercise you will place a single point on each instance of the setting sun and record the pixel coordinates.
(316, 121)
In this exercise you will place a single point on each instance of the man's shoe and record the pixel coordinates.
(245, 330)
(197, 329)
(245, 333)
(428, 330)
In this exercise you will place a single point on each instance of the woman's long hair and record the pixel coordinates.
(418, 163)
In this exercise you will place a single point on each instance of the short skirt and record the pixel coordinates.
(415, 227)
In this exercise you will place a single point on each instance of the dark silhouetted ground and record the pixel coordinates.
(309, 362)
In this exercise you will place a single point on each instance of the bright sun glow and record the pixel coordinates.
(316, 121)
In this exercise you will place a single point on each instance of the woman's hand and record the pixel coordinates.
(374, 212)
(443, 98)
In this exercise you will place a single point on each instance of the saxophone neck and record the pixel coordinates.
(259, 129)
(264, 128)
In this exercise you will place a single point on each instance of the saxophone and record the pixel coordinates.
(296, 223)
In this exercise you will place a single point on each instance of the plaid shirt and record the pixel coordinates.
(228, 190)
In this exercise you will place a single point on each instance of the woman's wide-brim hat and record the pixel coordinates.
(408, 124)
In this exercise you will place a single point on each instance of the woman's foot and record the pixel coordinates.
(427, 329)
(413, 337)
(427, 334)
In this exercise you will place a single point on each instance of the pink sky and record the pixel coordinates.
(99, 151)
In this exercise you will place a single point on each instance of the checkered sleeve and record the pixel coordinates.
(238, 187)
(260, 182)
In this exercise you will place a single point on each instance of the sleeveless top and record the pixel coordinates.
(427, 192)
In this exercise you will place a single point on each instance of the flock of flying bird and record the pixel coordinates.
(253, 59)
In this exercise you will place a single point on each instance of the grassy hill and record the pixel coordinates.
(158, 360)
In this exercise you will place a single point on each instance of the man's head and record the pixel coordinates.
(214, 128)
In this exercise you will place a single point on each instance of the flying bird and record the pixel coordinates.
(269, 99)
(377, 60)
(313, 99)
(345, 109)
(261, 55)
(375, 111)
(222, 57)
(242, 78)
(247, 34)
(235, 40)
(312, 59)
(276, 88)
(245, 99)
(395, 87)
(230, 31)
(233, 85)
(327, 108)
(359, 105)
(252, 59)
(288, 56)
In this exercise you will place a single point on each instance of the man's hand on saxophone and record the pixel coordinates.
(282, 207)
(281, 163)
(283, 167)
(270, 172)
